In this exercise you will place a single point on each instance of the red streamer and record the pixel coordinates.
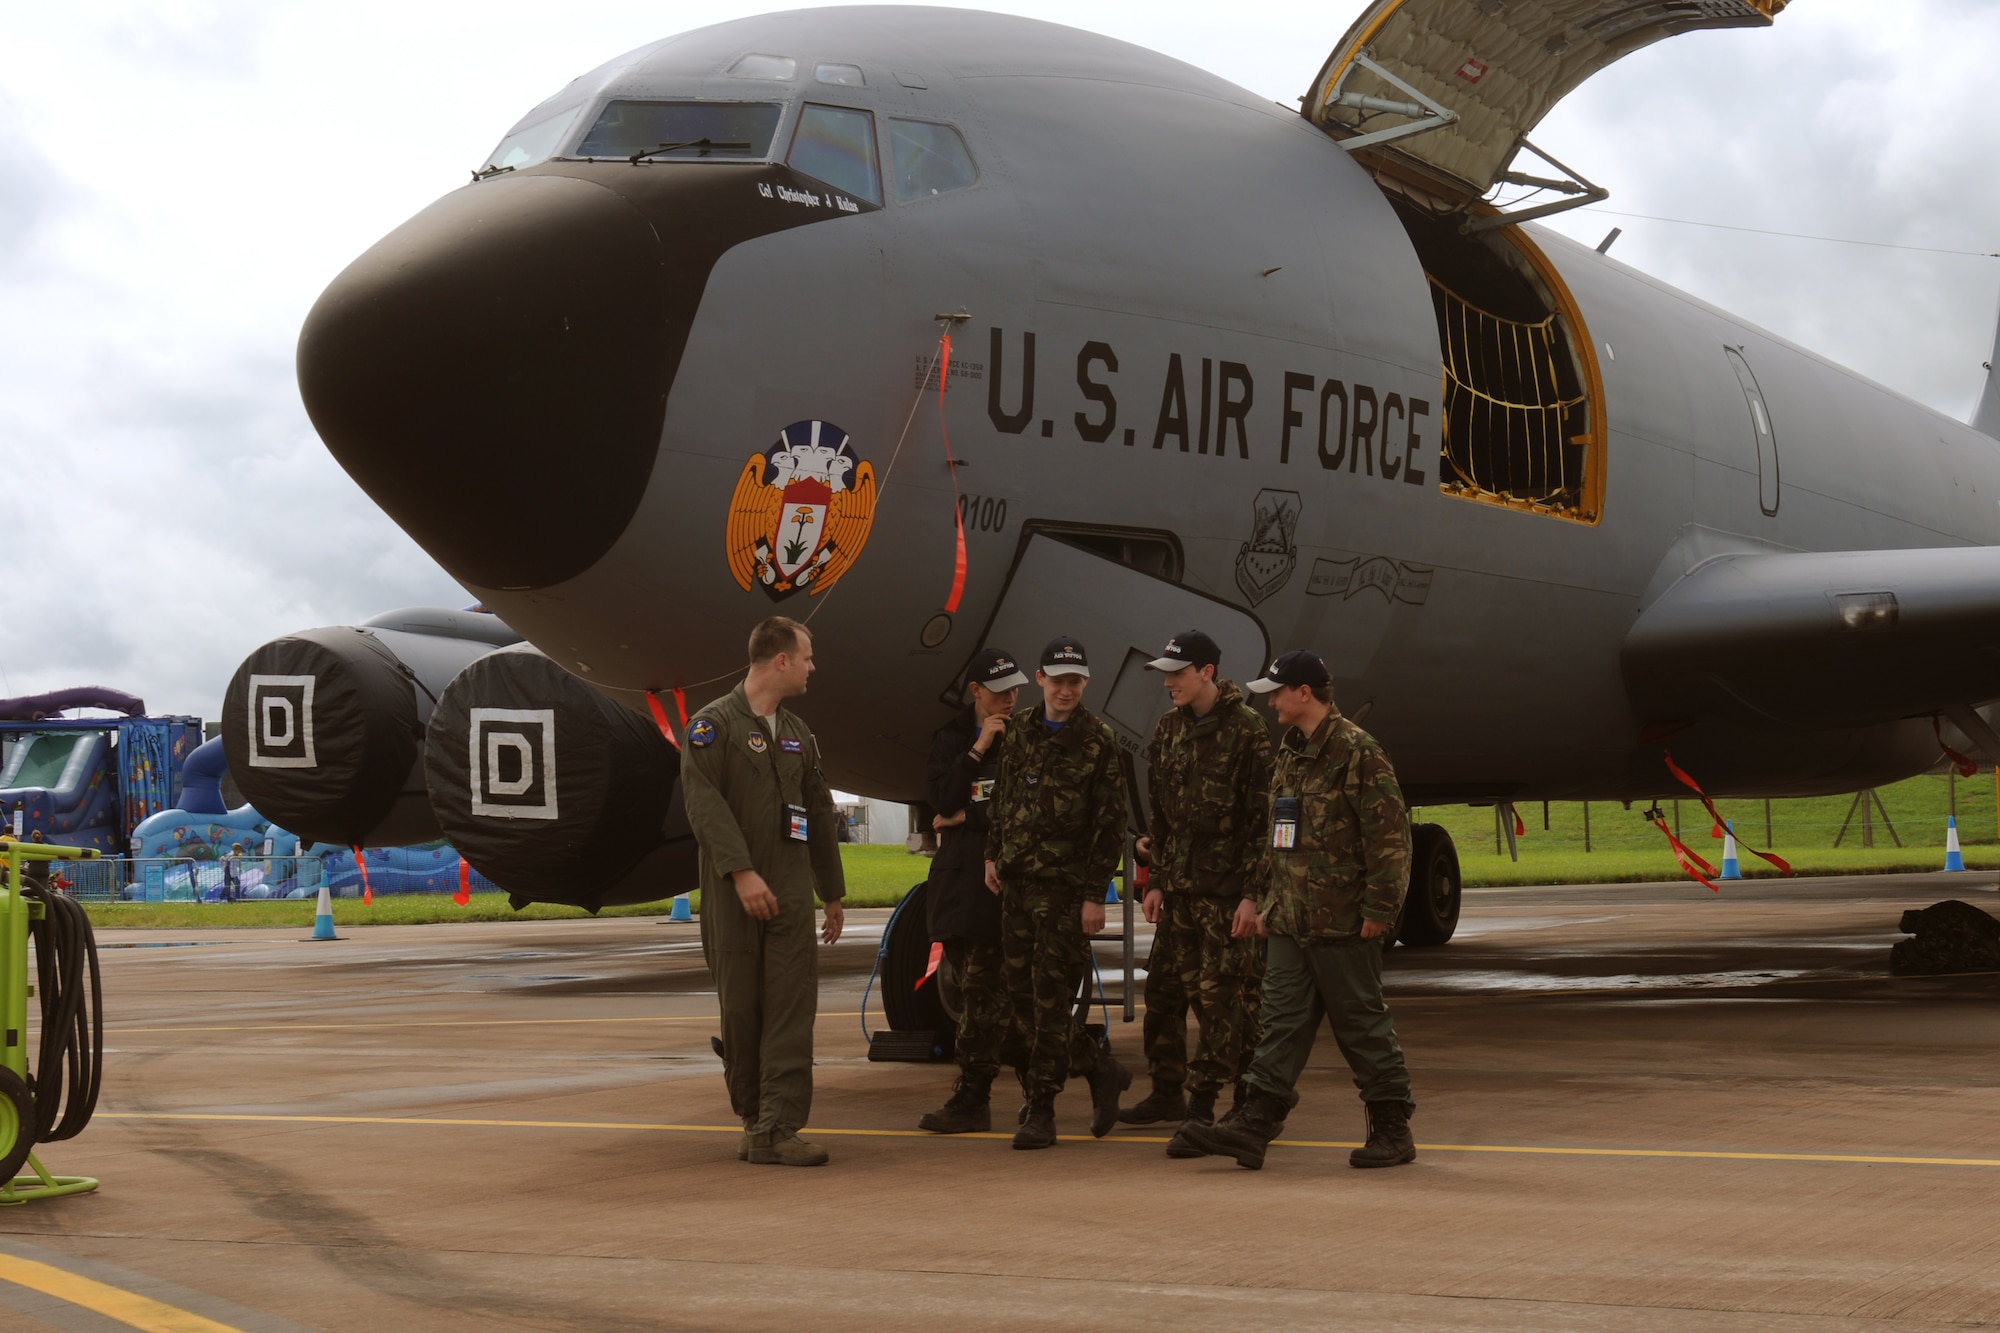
(1691, 862)
(660, 716)
(367, 891)
(1520, 825)
(1716, 830)
(1966, 768)
(937, 956)
(958, 502)
(464, 894)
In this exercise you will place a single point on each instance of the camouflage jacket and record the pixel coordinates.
(1058, 809)
(1210, 783)
(1351, 860)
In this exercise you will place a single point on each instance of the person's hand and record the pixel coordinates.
(993, 877)
(1150, 905)
(1143, 849)
(836, 917)
(1247, 922)
(1373, 930)
(942, 822)
(1093, 917)
(755, 895)
(989, 731)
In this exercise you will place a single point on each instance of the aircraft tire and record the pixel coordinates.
(1430, 910)
(910, 1007)
(17, 1124)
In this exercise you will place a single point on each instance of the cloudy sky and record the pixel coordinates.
(178, 181)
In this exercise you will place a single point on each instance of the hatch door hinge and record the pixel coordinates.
(1424, 112)
(1572, 184)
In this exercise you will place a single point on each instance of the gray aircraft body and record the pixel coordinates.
(668, 366)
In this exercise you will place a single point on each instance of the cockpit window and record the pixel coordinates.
(683, 131)
(757, 66)
(929, 159)
(837, 145)
(531, 143)
(846, 75)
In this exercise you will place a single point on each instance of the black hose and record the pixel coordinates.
(68, 1070)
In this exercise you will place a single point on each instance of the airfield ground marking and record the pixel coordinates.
(441, 1023)
(127, 1307)
(1683, 1154)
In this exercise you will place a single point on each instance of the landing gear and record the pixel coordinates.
(1430, 909)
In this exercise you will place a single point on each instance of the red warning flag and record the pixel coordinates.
(958, 505)
(1520, 825)
(937, 956)
(1691, 862)
(464, 894)
(660, 717)
(1716, 831)
(361, 863)
(1966, 768)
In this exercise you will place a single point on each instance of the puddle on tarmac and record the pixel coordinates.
(1472, 981)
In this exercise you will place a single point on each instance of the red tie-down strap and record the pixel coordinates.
(1691, 862)
(361, 864)
(1520, 825)
(1716, 829)
(957, 504)
(464, 894)
(937, 956)
(1966, 768)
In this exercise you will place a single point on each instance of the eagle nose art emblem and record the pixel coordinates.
(801, 512)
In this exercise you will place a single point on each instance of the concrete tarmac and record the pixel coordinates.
(1640, 1107)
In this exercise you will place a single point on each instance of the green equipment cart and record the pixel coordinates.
(54, 1100)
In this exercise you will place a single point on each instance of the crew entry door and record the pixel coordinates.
(1765, 438)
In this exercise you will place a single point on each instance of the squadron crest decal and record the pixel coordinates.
(801, 512)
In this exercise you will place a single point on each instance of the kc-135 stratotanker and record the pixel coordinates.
(670, 363)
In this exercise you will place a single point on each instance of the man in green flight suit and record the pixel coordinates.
(1208, 771)
(764, 820)
(1338, 864)
(1056, 834)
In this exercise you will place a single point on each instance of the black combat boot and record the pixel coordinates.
(1242, 1134)
(969, 1111)
(1038, 1125)
(1164, 1104)
(1107, 1080)
(1389, 1142)
(1201, 1109)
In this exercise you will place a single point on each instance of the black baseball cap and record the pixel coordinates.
(1189, 648)
(996, 669)
(1063, 656)
(1301, 666)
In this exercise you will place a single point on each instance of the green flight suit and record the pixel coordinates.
(1349, 863)
(737, 777)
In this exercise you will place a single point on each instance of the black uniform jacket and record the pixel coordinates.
(961, 906)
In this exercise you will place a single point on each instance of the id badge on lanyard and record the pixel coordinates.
(1285, 822)
(795, 822)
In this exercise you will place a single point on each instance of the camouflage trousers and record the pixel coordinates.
(1196, 965)
(1044, 957)
(982, 1045)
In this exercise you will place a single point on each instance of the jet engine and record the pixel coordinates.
(553, 790)
(324, 729)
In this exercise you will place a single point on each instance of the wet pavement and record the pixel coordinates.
(1641, 1106)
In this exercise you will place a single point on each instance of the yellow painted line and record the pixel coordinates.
(438, 1023)
(1683, 1154)
(127, 1307)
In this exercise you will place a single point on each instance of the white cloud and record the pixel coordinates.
(179, 181)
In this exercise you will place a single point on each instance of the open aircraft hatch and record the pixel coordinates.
(1436, 98)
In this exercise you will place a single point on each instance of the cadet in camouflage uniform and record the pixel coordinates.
(1208, 771)
(764, 820)
(1057, 834)
(1338, 866)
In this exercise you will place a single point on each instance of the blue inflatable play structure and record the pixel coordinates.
(88, 782)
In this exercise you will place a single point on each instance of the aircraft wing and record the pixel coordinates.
(1496, 67)
(1821, 640)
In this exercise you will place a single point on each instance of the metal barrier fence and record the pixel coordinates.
(157, 879)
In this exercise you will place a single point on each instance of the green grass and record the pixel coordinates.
(1623, 847)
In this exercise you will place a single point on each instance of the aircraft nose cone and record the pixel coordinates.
(494, 373)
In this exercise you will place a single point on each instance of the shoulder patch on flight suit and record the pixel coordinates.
(757, 743)
(701, 732)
